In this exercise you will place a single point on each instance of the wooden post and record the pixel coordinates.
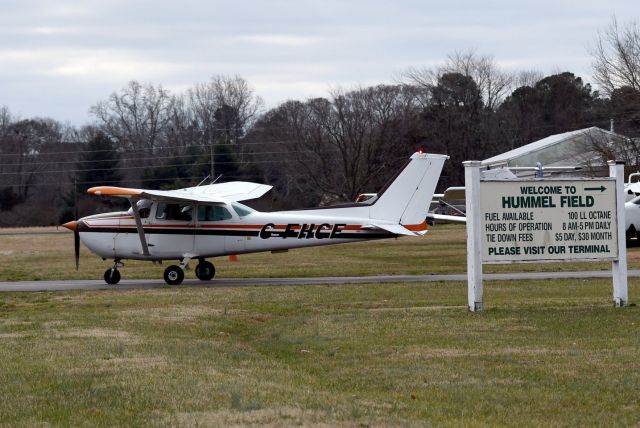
(474, 239)
(619, 266)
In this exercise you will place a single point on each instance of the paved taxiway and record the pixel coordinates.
(63, 285)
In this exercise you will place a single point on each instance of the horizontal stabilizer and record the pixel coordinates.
(396, 229)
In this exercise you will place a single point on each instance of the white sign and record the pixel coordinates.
(536, 219)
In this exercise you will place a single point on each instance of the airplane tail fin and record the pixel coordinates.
(406, 198)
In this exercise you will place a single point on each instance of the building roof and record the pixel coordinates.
(550, 150)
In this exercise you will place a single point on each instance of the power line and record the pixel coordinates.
(144, 149)
(203, 154)
(591, 121)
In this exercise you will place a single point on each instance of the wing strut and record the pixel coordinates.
(136, 215)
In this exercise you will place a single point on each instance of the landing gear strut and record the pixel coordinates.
(205, 270)
(112, 275)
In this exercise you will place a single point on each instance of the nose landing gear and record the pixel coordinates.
(112, 275)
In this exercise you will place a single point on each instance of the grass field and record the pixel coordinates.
(543, 353)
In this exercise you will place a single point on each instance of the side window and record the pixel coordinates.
(173, 212)
(213, 213)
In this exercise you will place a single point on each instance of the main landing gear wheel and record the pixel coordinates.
(205, 271)
(173, 275)
(112, 276)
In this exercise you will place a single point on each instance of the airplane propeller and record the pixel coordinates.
(76, 239)
(73, 226)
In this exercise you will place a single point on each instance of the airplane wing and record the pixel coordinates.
(223, 192)
(452, 193)
(447, 218)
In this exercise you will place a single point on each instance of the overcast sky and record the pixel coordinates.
(58, 57)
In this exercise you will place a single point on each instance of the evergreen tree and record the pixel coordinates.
(98, 166)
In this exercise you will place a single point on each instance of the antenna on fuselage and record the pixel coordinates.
(203, 180)
(217, 178)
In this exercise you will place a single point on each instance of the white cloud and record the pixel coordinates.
(279, 40)
(69, 54)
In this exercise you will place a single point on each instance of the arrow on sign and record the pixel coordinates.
(601, 188)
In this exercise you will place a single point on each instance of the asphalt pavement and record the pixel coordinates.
(65, 285)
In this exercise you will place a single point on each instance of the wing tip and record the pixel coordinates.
(113, 191)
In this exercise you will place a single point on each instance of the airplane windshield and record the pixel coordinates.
(242, 210)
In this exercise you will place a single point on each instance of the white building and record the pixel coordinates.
(587, 149)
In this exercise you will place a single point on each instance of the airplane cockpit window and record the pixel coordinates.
(179, 212)
(242, 210)
(144, 208)
(213, 213)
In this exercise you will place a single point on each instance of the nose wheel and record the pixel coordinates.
(112, 276)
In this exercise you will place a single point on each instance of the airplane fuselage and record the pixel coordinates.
(115, 236)
(209, 221)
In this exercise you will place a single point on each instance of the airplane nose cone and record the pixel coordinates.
(72, 225)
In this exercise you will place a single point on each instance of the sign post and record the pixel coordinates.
(474, 249)
(619, 266)
(532, 220)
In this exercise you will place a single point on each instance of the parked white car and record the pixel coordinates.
(632, 218)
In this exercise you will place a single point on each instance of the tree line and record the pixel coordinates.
(317, 151)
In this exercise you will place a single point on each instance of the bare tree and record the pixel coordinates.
(327, 150)
(5, 119)
(136, 117)
(527, 78)
(224, 106)
(493, 83)
(24, 148)
(616, 56)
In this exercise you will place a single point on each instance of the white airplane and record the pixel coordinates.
(208, 221)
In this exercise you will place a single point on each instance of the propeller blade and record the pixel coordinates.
(76, 234)
(76, 243)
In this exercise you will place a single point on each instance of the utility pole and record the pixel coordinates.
(212, 161)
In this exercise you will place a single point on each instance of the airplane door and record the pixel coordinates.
(172, 230)
(126, 241)
(215, 233)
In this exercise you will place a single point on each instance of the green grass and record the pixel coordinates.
(541, 354)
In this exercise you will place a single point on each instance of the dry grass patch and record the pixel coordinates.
(173, 313)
